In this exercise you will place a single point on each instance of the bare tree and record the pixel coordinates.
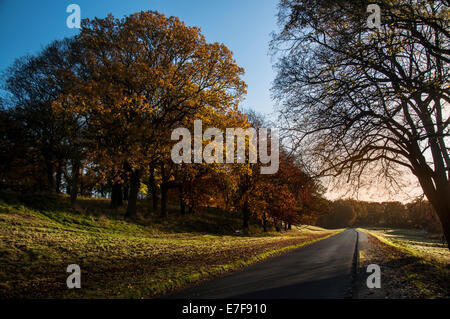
(354, 97)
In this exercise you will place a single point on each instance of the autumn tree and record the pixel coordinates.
(33, 85)
(343, 214)
(357, 99)
(21, 165)
(140, 77)
(247, 175)
(201, 184)
(395, 214)
(374, 213)
(422, 215)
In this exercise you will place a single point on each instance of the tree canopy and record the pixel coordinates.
(356, 99)
(97, 111)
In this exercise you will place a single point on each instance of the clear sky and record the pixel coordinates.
(244, 26)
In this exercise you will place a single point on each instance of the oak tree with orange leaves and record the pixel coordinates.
(140, 77)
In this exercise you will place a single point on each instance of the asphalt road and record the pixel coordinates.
(320, 270)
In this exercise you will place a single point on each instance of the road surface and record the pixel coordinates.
(319, 270)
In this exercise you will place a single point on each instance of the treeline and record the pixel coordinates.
(346, 213)
(92, 115)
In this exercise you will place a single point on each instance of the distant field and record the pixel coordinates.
(120, 259)
(426, 245)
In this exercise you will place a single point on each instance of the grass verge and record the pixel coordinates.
(406, 273)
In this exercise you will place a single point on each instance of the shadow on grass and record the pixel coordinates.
(210, 221)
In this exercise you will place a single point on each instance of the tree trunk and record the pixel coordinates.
(277, 227)
(163, 212)
(126, 192)
(116, 196)
(265, 223)
(75, 177)
(49, 170)
(439, 198)
(155, 199)
(442, 208)
(153, 189)
(446, 230)
(135, 182)
(182, 204)
(245, 215)
(59, 172)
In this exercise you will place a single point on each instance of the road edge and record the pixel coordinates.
(355, 269)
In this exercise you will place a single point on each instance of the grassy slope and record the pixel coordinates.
(120, 259)
(417, 241)
(423, 261)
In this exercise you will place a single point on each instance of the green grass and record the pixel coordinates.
(417, 242)
(41, 236)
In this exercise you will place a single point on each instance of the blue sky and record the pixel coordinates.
(244, 26)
